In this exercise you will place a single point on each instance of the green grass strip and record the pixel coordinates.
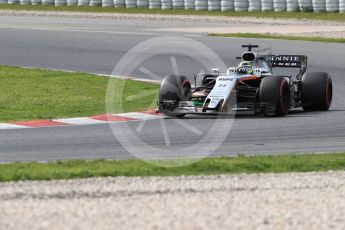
(208, 166)
(296, 15)
(30, 94)
(280, 37)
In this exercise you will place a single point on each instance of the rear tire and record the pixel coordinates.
(317, 91)
(275, 93)
(174, 88)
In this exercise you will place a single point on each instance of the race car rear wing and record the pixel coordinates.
(288, 61)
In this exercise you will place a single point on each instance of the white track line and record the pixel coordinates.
(81, 121)
(11, 126)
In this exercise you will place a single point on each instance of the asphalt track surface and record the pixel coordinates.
(96, 45)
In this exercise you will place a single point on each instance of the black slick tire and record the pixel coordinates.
(317, 91)
(275, 94)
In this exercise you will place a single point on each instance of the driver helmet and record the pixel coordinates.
(245, 67)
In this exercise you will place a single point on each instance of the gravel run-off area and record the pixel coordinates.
(165, 17)
(313, 28)
(263, 201)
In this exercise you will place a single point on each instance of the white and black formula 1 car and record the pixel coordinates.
(251, 86)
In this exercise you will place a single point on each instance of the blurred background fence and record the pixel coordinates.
(316, 6)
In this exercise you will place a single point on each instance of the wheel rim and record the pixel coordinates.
(186, 90)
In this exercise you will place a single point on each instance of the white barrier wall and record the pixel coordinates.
(279, 5)
(131, 3)
(189, 4)
(25, 2)
(60, 2)
(178, 4)
(36, 2)
(342, 6)
(319, 6)
(105, 3)
(214, 5)
(155, 4)
(227, 5)
(71, 2)
(167, 4)
(267, 5)
(331, 6)
(254, 5)
(95, 2)
(241, 5)
(143, 4)
(119, 3)
(48, 2)
(81, 2)
(201, 4)
(292, 5)
(305, 5)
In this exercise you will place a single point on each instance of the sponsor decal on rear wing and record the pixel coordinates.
(290, 61)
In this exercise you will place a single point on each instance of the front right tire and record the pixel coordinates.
(174, 88)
